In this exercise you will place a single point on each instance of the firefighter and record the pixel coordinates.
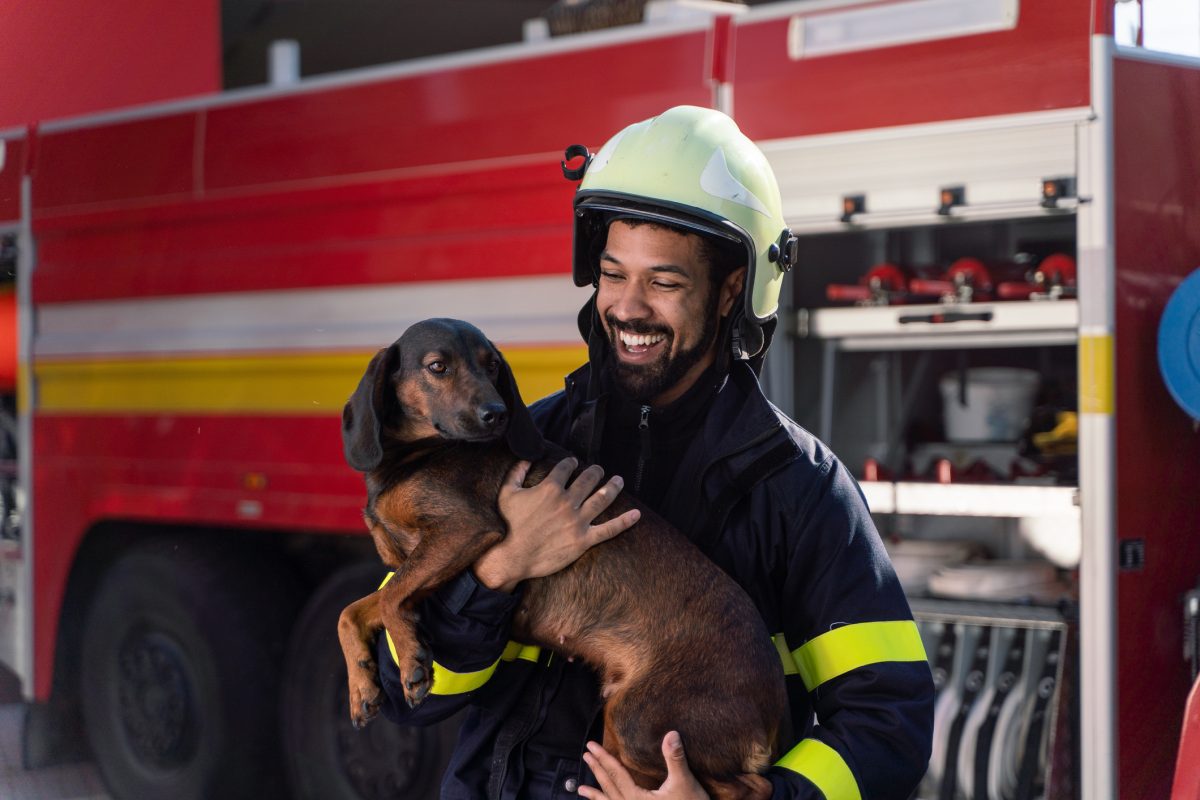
(678, 227)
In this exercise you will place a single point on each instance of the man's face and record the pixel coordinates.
(658, 309)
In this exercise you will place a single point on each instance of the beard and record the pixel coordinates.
(644, 382)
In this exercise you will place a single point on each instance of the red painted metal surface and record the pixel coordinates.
(426, 228)
(1186, 785)
(137, 162)
(1157, 137)
(10, 179)
(1102, 16)
(516, 107)
(1041, 64)
(508, 108)
(392, 179)
(179, 469)
(61, 59)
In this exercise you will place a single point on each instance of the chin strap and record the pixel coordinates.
(749, 340)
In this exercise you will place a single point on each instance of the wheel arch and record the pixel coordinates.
(54, 731)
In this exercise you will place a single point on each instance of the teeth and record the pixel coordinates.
(640, 340)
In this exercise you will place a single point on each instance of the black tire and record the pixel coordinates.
(326, 757)
(181, 654)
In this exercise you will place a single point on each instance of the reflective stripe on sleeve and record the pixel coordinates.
(785, 655)
(447, 681)
(824, 767)
(849, 647)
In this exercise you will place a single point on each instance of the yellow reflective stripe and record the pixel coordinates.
(258, 383)
(785, 655)
(852, 646)
(524, 652)
(1096, 392)
(825, 767)
(447, 681)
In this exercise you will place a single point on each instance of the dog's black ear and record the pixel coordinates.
(523, 437)
(362, 416)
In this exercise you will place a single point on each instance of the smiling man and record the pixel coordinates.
(679, 232)
(661, 303)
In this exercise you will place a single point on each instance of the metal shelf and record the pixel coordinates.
(1021, 323)
(971, 500)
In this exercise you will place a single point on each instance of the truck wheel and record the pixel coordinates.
(326, 757)
(180, 674)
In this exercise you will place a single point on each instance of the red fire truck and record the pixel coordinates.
(977, 184)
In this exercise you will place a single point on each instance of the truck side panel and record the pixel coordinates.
(1157, 137)
(212, 277)
(1040, 64)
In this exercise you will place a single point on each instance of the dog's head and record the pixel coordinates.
(441, 379)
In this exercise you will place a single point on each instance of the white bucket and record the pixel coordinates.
(999, 400)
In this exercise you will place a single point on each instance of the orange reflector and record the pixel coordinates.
(255, 481)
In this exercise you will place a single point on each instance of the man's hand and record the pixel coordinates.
(617, 784)
(550, 524)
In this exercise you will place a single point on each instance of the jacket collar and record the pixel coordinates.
(741, 422)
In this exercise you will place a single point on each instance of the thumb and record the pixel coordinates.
(515, 478)
(672, 749)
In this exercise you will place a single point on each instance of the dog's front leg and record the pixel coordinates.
(438, 558)
(358, 625)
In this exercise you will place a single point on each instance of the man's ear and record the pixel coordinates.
(731, 290)
(522, 436)
(364, 412)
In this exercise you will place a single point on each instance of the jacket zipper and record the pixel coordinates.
(644, 455)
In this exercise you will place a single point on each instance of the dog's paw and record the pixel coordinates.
(365, 695)
(418, 677)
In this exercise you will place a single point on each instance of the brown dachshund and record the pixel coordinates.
(436, 423)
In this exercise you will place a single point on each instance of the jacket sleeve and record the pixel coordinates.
(851, 647)
(466, 627)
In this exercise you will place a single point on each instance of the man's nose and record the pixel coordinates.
(631, 304)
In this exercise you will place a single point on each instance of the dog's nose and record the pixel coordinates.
(493, 414)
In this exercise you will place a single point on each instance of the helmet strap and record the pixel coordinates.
(746, 338)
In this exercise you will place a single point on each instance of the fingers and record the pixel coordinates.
(515, 478)
(592, 503)
(607, 530)
(612, 776)
(680, 780)
(672, 749)
(561, 472)
(585, 482)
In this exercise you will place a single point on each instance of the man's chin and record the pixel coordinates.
(639, 381)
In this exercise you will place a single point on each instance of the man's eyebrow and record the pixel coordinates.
(671, 268)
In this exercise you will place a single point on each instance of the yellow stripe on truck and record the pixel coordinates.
(307, 383)
(1096, 392)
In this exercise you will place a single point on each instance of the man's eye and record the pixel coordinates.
(610, 276)
(436, 367)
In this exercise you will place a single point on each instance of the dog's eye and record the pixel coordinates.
(493, 365)
(436, 367)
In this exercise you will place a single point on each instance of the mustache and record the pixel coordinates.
(635, 326)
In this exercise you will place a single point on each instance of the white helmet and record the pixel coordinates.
(692, 168)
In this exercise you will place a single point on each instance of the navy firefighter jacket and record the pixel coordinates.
(773, 507)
